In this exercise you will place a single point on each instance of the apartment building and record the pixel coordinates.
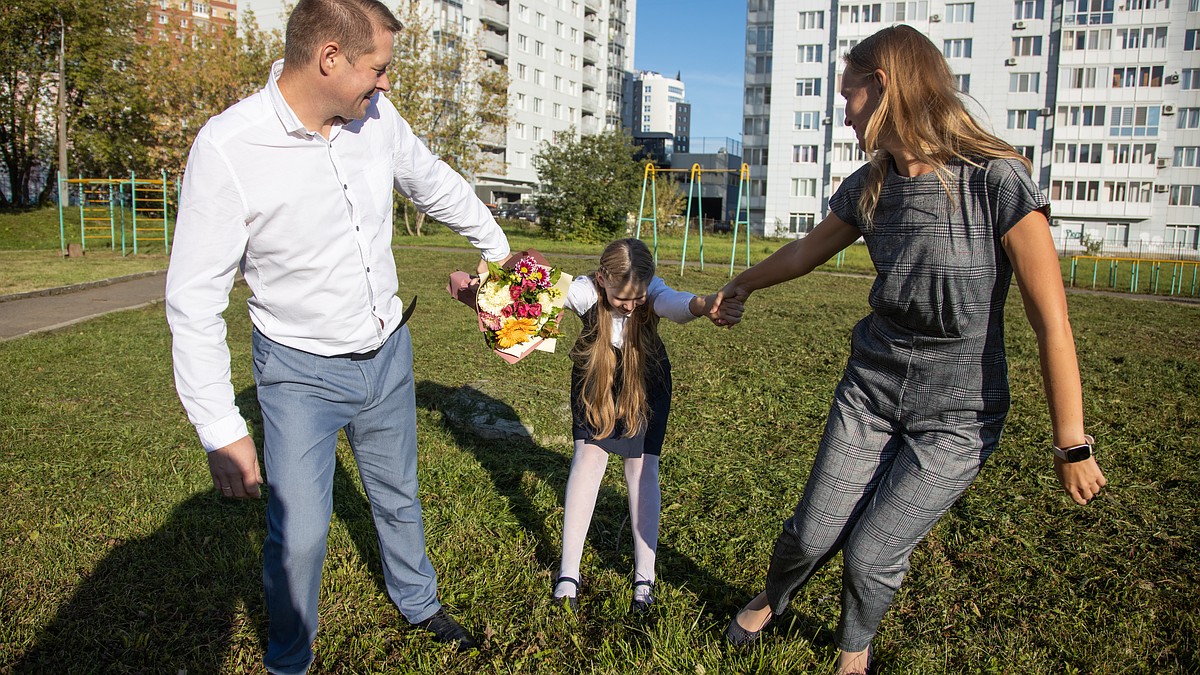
(659, 106)
(182, 19)
(568, 61)
(1103, 96)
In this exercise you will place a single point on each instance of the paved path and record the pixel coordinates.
(29, 313)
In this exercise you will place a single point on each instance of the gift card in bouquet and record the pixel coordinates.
(518, 305)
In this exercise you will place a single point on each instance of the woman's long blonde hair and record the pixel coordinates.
(623, 262)
(919, 109)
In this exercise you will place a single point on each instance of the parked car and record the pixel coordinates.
(722, 227)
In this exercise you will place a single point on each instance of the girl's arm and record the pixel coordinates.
(677, 306)
(1039, 277)
(581, 295)
(793, 260)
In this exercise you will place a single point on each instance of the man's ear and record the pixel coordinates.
(331, 53)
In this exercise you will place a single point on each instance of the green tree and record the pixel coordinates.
(100, 38)
(453, 96)
(588, 185)
(187, 82)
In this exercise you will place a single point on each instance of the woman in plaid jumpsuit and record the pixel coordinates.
(949, 214)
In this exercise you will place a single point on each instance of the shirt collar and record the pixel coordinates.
(291, 123)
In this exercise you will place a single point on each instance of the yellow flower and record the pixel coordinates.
(515, 332)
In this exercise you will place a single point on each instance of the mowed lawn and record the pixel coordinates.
(118, 557)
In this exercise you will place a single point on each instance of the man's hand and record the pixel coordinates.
(234, 469)
(729, 304)
(1081, 480)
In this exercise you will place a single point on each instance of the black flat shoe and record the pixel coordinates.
(740, 637)
(571, 601)
(448, 631)
(642, 606)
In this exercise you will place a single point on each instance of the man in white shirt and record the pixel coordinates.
(293, 186)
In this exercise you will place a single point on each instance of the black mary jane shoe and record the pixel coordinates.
(740, 637)
(571, 601)
(642, 606)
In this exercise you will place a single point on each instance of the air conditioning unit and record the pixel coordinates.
(934, 18)
(1162, 163)
(1173, 78)
(1161, 188)
(827, 121)
(1019, 25)
(1168, 109)
(1046, 112)
(1010, 61)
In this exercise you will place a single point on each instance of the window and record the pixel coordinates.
(760, 38)
(1133, 192)
(1147, 4)
(760, 65)
(1079, 40)
(809, 86)
(804, 187)
(539, 77)
(1136, 120)
(1075, 190)
(537, 105)
(539, 49)
(1116, 234)
(1023, 82)
(756, 126)
(807, 120)
(809, 53)
(1182, 236)
(1085, 78)
(848, 152)
(808, 20)
(1189, 78)
(757, 156)
(1028, 9)
(1187, 155)
(519, 130)
(1131, 153)
(1078, 153)
(906, 11)
(1184, 195)
(1187, 118)
(960, 12)
(957, 48)
(1025, 150)
(1191, 40)
(758, 95)
(523, 43)
(1022, 119)
(1081, 115)
(1134, 76)
(1146, 37)
(1090, 12)
(1027, 46)
(869, 13)
(801, 223)
(520, 101)
(541, 21)
(964, 83)
(804, 154)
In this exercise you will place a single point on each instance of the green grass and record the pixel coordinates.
(117, 556)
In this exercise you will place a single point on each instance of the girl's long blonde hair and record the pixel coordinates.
(919, 109)
(623, 262)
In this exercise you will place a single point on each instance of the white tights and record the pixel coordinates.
(645, 503)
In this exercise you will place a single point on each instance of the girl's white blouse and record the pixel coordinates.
(665, 301)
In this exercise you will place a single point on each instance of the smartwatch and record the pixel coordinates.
(1076, 453)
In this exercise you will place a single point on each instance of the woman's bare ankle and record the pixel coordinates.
(755, 615)
(853, 663)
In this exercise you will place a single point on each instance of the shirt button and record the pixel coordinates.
(368, 269)
(345, 187)
(356, 228)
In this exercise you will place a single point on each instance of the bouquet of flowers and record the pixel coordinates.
(519, 304)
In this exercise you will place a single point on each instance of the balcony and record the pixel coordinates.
(591, 27)
(493, 137)
(591, 78)
(494, 14)
(591, 102)
(591, 51)
(592, 6)
(494, 44)
(589, 125)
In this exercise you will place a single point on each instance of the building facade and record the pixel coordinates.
(659, 105)
(181, 19)
(1103, 96)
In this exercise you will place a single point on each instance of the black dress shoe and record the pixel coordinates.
(642, 606)
(448, 631)
(740, 637)
(571, 601)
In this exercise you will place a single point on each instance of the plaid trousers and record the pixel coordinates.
(881, 479)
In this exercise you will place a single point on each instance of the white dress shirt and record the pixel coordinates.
(308, 221)
(665, 301)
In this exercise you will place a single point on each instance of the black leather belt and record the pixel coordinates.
(367, 356)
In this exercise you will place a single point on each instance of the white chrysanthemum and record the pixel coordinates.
(494, 297)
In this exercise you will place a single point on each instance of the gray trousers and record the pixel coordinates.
(878, 485)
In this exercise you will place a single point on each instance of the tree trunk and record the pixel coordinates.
(49, 187)
(407, 226)
(420, 221)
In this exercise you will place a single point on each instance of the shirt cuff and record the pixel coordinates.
(216, 435)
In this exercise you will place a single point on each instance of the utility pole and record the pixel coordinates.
(62, 103)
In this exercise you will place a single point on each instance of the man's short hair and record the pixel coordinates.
(350, 23)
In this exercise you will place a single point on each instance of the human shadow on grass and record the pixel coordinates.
(179, 598)
(508, 460)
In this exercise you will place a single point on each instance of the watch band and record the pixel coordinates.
(1077, 453)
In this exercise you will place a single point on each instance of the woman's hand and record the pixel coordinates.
(1082, 480)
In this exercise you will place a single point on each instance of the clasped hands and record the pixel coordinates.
(725, 307)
